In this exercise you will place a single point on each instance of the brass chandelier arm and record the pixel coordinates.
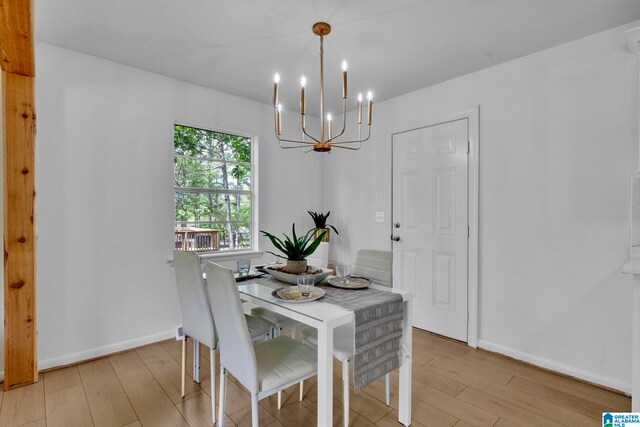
(344, 121)
(285, 147)
(354, 141)
(350, 148)
(304, 130)
(293, 141)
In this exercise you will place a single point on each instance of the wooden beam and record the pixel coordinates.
(16, 37)
(18, 129)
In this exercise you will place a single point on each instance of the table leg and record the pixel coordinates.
(325, 376)
(196, 361)
(404, 408)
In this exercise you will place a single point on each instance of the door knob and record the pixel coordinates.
(395, 237)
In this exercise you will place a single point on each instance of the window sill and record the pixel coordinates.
(227, 256)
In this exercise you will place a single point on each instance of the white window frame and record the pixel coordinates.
(253, 192)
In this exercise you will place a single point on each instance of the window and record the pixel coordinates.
(213, 180)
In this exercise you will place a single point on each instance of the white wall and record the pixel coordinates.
(558, 143)
(105, 197)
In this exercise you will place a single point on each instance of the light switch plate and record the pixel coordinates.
(379, 216)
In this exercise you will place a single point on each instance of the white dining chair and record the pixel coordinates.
(197, 319)
(377, 267)
(263, 370)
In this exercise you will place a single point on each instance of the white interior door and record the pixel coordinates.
(430, 224)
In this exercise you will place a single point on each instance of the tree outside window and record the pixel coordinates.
(213, 190)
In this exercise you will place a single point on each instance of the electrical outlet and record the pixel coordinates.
(179, 333)
(379, 216)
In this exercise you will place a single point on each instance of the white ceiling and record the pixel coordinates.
(393, 47)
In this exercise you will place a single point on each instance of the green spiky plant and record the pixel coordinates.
(320, 221)
(295, 248)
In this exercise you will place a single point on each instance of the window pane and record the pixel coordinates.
(240, 207)
(198, 236)
(240, 236)
(194, 142)
(201, 238)
(211, 174)
(192, 207)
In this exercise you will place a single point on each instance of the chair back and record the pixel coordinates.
(197, 320)
(375, 265)
(236, 350)
(320, 258)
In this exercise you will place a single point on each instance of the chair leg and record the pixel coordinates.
(301, 390)
(254, 411)
(196, 361)
(279, 400)
(184, 364)
(387, 389)
(212, 369)
(345, 391)
(223, 377)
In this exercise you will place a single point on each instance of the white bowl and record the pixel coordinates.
(293, 278)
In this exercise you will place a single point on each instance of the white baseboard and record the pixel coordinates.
(101, 351)
(92, 353)
(624, 387)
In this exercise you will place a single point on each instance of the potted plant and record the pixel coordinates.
(320, 221)
(295, 249)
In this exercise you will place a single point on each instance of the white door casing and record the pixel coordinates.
(430, 208)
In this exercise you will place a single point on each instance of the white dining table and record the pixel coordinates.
(325, 317)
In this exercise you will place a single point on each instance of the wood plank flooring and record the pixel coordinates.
(453, 385)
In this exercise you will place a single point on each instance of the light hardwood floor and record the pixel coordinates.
(453, 385)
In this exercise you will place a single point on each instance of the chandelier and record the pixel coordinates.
(325, 140)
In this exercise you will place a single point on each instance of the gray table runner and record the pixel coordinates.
(378, 329)
(378, 332)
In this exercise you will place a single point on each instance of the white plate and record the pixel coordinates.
(289, 294)
(354, 283)
(293, 278)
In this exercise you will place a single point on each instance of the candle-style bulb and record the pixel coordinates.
(359, 97)
(369, 96)
(344, 80)
(303, 83)
(279, 120)
(329, 117)
(276, 96)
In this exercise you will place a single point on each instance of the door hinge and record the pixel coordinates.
(468, 146)
(468, 232)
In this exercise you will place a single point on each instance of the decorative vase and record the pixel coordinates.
(296, 267)
(319, 231)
